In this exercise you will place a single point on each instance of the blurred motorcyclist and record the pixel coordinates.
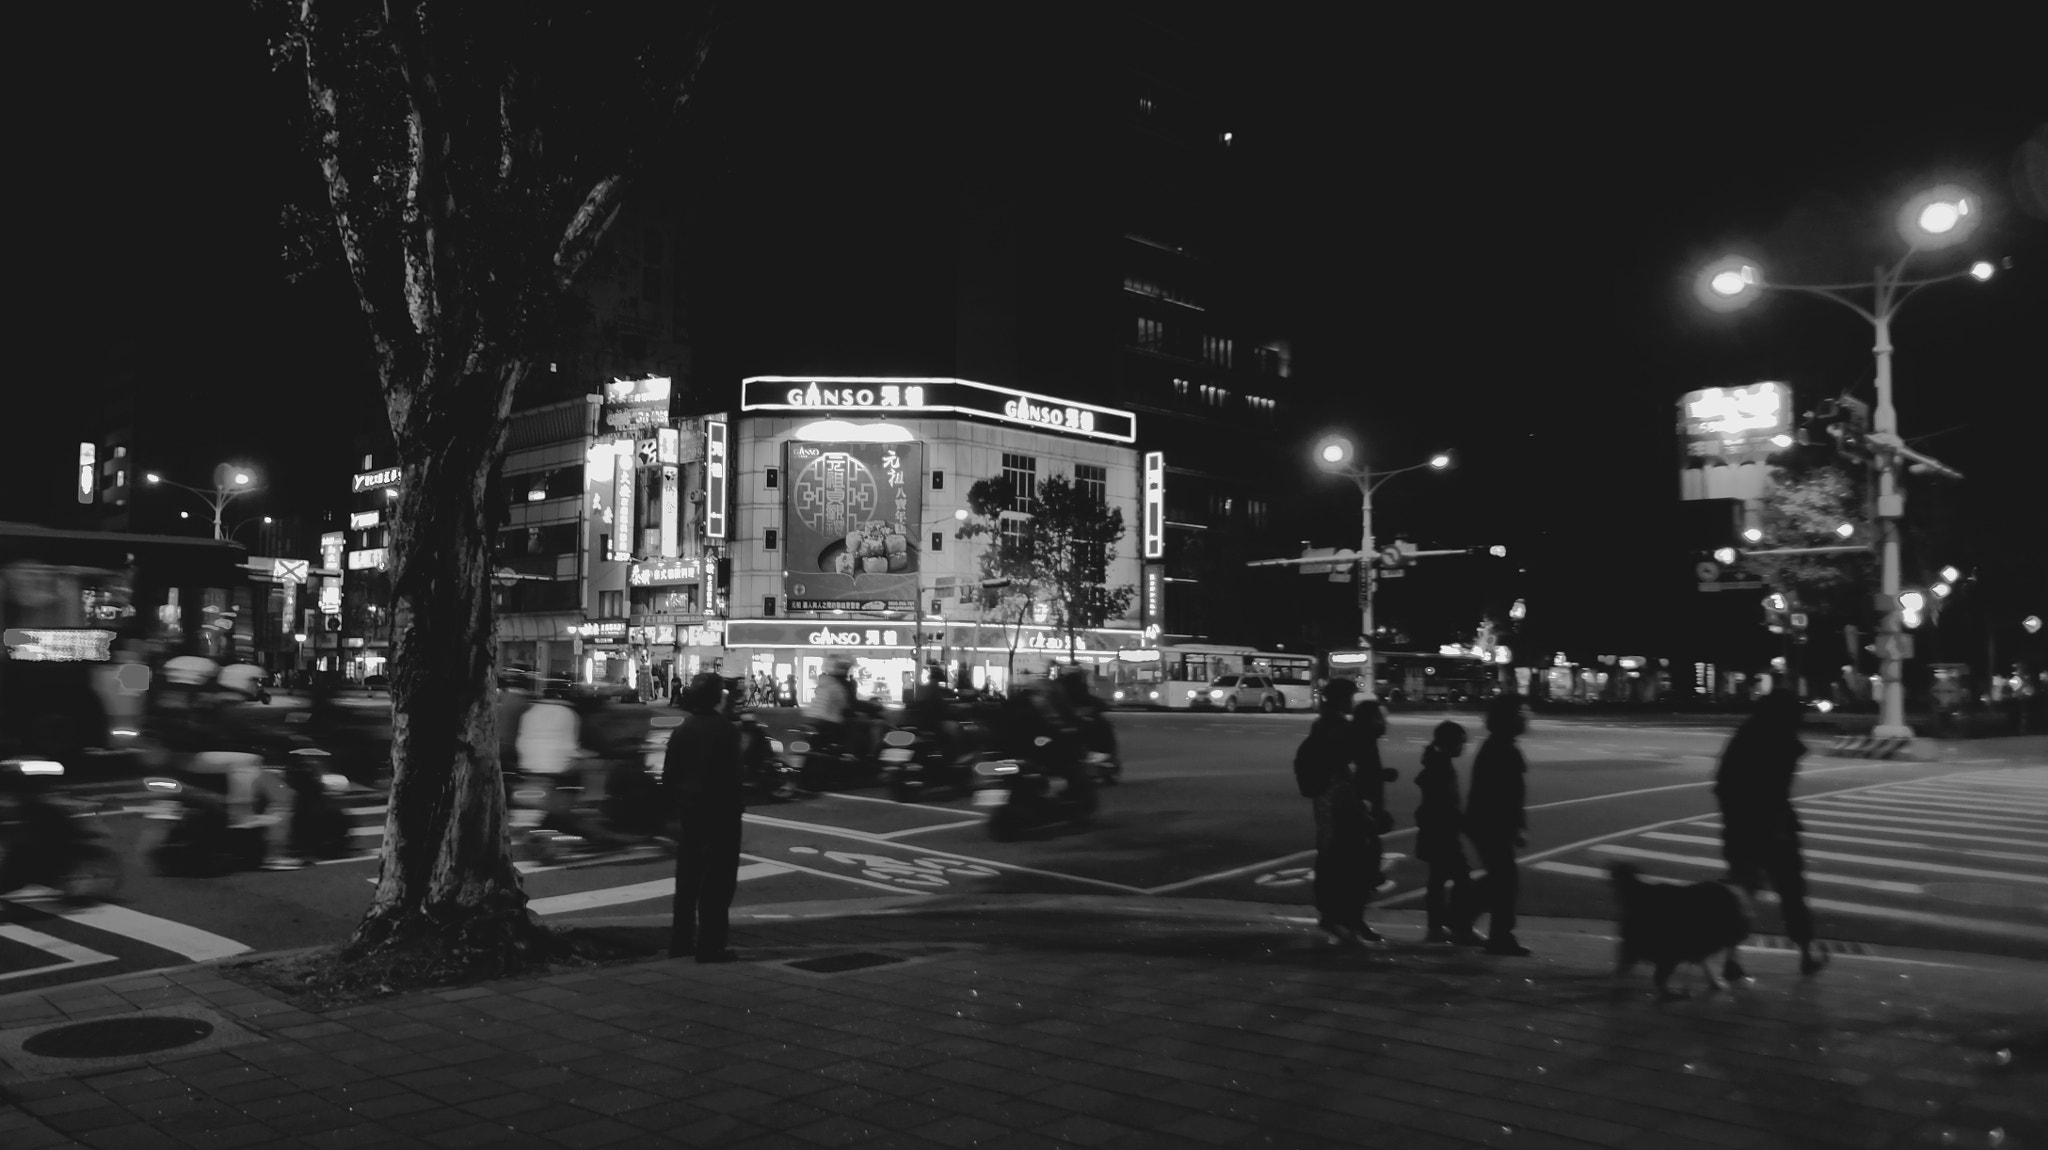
(549, 746)
(842, 718)
(930, 709)
(1046, 709)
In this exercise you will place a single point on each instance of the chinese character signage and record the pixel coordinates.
(671, 495)
(622, 505)
(88, 482)
(1155, 505)
(851, 519)
(361, 520)
(654, 572)
(632, 405)
(668, 445)
(1152, 604)
(887, 396)
(1729, 434)
(715, 462)
(331, 545)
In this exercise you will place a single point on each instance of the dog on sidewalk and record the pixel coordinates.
(1666, 924)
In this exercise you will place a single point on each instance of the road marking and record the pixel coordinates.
(1877, 884)
(1686, 786)
(2015, 930)
(1848, 811)
(1927, 801)
(1270, 864)
(2003, 856)
(871, 837)
(70, 953)
(1878, 809)
(892, 888)
(933, 827)
(632, 892)
(162, 933)
(1865, 826)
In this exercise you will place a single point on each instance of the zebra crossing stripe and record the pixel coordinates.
(2002, 856)
(69, 954)
(1842, 825)
(2002, 929)
(1845, 808)
(1932, 801)
(1878, 861)
(1887, 886)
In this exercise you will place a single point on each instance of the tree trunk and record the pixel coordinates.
(447, 884)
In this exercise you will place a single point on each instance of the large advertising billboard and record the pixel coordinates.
(1729, 435)
(851, 519)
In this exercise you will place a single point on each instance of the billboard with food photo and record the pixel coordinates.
(850, 523)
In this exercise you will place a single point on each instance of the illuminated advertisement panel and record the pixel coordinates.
(622, 507)
(850, 520)
(1155, 505)
(1729, 433)
(903, 395)
(634, 405)
(671, 495)
(715, 458)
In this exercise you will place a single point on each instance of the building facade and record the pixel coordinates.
(846, 498)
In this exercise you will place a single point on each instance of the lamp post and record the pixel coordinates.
(1934, 219)
(229, 483)
(1338, 455)
(917, 612)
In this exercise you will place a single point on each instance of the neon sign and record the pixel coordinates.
(937, 395)
(1155, 505)
(714, 478)
(371, 480)
(871, 638)
(654, 572)
(67, 645)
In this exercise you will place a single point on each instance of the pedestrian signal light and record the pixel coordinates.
(1941, 590)
(1775, 601)
(1950, 574)
(1911, 604)
(1726, 556)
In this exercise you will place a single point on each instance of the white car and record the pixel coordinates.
(1243, 693)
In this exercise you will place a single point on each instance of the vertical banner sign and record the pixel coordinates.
(622, 504)
(1155, 505)
(714, 478)
(88, 482)
(1152, 605)
(668, 445)
(851, 518)
(671, 499)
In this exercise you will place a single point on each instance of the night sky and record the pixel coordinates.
(1485, 237)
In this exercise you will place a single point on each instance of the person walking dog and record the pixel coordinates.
(1759, 828)
(702, 780)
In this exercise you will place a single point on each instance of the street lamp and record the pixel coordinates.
(917, 612)
(1338, 455)
(1937, 218)
(229, 483)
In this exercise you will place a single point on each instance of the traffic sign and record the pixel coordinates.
(289, 570)
(1894, 646)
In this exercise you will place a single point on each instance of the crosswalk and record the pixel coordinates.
(1963, 854)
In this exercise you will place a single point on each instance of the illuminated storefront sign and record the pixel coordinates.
(622, 505)
(359, 520)
(1735, 414)
(88, 482)
(372, 480)
(850, 516)
(671, 496)
(1346, 658)
(369, 557)
(55, 645)
(1152, 604)
(330, 598)
(668, 445)
(653, 572)
(604, 629)
(1148, 655)
(1155, 505)
(937, 396)
(1729, 435)
(331, 545)
(714, 478)
(636, 403)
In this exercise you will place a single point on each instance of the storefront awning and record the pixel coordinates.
(547, 625)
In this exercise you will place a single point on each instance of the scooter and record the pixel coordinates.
(916, 760)
(50, 840)
(827, 762)
(554, 821)
(222, 804)
(768, 774)
(1023, 793)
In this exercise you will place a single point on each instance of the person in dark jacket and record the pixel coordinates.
(1324, 774)
(1759, 829)
(1447, 896)
(1368, 727)
(1495, 822)
(702, 780)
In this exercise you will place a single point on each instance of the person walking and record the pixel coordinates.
(1759, 828)
(1495, 820)
(1447, 894)
(1322, 773)
(1368, 727)
(702, 781)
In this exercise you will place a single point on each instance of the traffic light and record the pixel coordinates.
(1911, 606)
(1842, 423)
(1777, 612)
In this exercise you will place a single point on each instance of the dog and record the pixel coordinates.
(1667, 924)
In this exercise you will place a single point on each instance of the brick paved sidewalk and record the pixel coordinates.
(1074, 1022)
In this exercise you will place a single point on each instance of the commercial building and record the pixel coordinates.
(843, 541)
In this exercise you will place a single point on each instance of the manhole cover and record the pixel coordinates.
(116, 1037)
(840, 963)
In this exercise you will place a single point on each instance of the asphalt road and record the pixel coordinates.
(1951, 855)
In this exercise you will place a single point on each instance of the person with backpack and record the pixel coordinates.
(1322, 773)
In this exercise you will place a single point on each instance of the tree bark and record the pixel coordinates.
(447, 880)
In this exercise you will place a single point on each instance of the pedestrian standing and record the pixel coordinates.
(1368, 727)
(1322, 773)
(703, 782)
(1496, 822)
(1759, 828)
(1447, 896)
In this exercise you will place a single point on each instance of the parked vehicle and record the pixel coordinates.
(50, 840)
(1244, 693)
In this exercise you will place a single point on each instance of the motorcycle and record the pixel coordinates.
(768, 774)
(222, 805)
(916, 760)
(830, 761)
(1024, 793)
(50, 840)
(555, 819)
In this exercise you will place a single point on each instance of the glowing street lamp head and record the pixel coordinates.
(1943, 590)
(153, 477)
(1753, 534)
(1912, 601)
(1845, 530)
(242, 478)
(1440, 460)
(1982, 270)
(1939, 217)
(1724, 555)
(1729, 283)
(960, 514)
(1336, 453)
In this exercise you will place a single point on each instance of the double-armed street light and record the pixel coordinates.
(230, 482)
(1939, 218)
(1338, 455)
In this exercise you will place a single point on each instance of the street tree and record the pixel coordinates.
(470, 159)
(1008, 556)
(1073, 541)
(1804, 504)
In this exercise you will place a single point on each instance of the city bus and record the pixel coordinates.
(1293, 674)
(1417, 678)
(1169, 675)
(88, 616)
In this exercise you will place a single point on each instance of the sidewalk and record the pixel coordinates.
(1040, 1022)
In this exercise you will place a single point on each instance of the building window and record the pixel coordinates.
(611, 604)
(1151, 334)
(1213, 396)
(663, 600)
(1180, 388)
(938, 480)
(768, 539)
(1021, 473)
(604, 546)
(1255, 510)
(774, 477)
(768, 605)
(1016, 531)
(1092, 482)
(1216, 349)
